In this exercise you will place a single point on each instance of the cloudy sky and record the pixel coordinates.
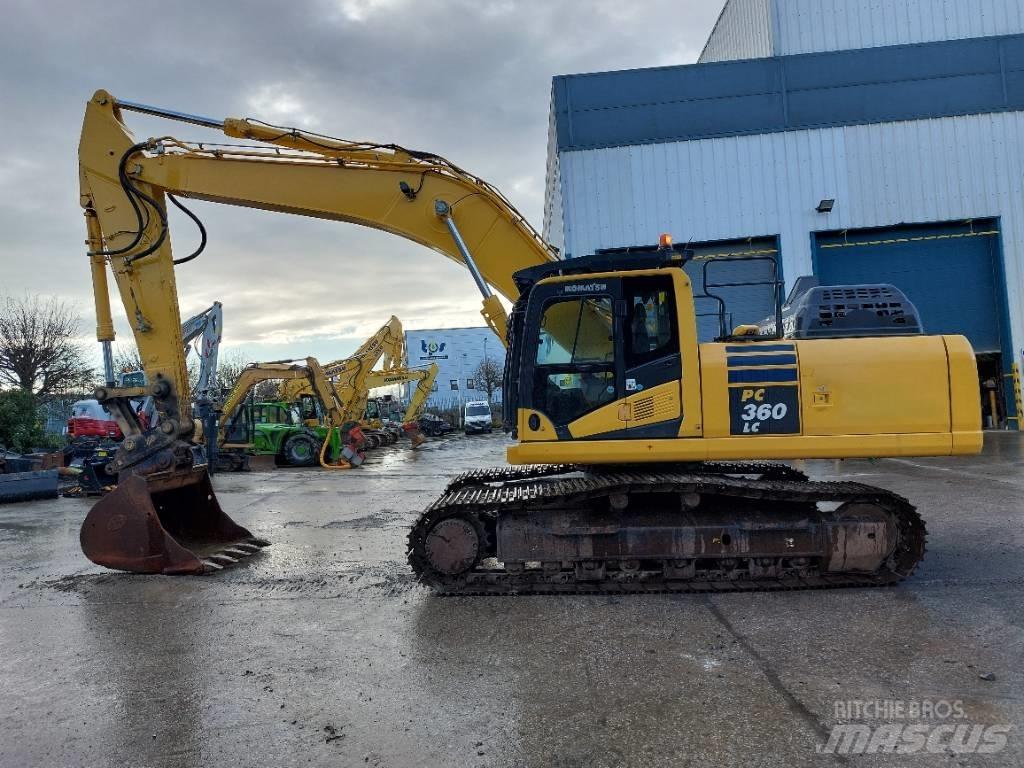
(467, 79)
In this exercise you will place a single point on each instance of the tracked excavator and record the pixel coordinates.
(642, 456)
(338, 445)
(348, 377)
(424, 378)
(371, 417)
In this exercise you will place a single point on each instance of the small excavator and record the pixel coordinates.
(642, 456)
(371, 407)
(341, 442)
(349, 375)
(311, 386)
(354, 381)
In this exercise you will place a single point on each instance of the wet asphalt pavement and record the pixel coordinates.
(322, 650)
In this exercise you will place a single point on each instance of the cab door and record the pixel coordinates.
(571, 364)
(652, 364)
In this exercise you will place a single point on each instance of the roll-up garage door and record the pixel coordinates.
(949, 271)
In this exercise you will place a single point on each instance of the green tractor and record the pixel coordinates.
(292, 434)
(279, 431)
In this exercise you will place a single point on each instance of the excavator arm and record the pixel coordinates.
(310, 376)
(249, 378)
(425, 382)
(424, 386)
(348, 374)
(206, 326)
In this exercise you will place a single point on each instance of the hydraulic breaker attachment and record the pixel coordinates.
(168, 523)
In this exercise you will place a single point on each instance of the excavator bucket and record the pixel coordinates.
(170, 525)
(412, 430)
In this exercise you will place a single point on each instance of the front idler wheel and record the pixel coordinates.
(453, 546)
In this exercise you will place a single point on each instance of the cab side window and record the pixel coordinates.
(651, 330)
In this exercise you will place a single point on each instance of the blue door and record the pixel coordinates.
(949, 271)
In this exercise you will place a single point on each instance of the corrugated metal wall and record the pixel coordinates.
(756, 28)
(743, 31)
(804, 26)
(879, 175)
(949, 271)
(552, 227)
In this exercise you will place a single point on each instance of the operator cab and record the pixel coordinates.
(590, 333)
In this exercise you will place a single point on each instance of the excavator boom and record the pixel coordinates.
(348, 375)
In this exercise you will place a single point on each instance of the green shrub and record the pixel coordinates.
(20, 427)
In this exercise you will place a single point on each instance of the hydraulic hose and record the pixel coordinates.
(342, 464)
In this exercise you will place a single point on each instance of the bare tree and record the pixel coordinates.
(127, 358)
(489, 375)
(229, 368)
(39, 350)
(267, 391)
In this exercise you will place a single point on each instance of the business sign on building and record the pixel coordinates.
(432, 349)
(458, 353)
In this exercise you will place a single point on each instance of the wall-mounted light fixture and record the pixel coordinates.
(825, 206)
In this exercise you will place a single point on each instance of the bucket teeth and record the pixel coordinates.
(237, 551)
(169, 524)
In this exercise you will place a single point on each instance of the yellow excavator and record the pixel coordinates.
(349, 376)
(320, 402)
(371, 420)
(371, 408)
(640, 453)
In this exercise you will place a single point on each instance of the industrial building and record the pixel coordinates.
(861, 141)
(458, 353)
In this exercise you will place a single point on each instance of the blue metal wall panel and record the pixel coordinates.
(743, 31)
(951, 281)
(838, 88)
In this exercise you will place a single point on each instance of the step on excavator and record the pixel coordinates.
(644, 458)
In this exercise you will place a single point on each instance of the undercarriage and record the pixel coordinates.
(708, 527)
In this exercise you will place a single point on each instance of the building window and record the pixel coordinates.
(433, 387)
(470, 384)
(455, 385)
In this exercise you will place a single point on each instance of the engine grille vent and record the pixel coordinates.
(643, 409)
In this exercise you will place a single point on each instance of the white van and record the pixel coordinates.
(477, 417)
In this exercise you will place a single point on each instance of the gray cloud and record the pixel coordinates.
(468, 80)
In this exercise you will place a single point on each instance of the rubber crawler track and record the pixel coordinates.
(477, 495)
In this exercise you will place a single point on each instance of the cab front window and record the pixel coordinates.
(574, 371)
